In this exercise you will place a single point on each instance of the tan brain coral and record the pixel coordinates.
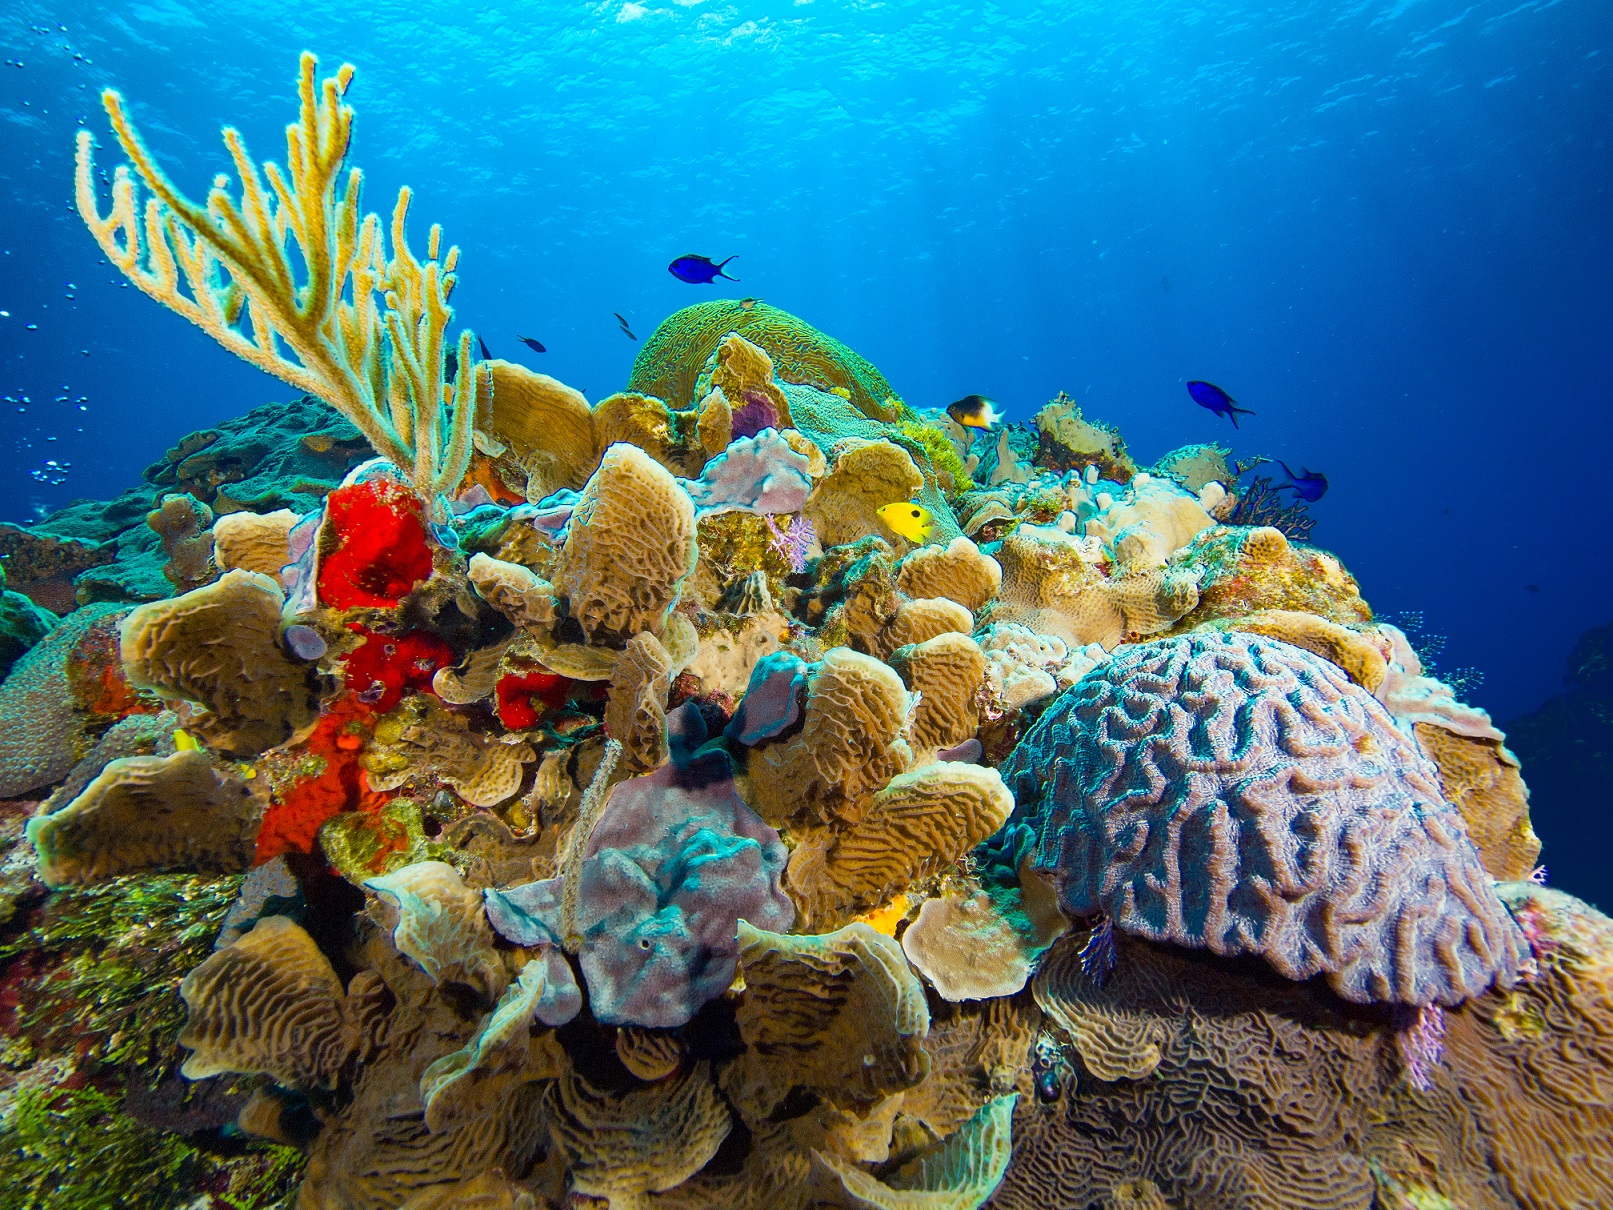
(914, 828)
(958, 571)
(630, 545)
(253, 541)
(840, 1015)
(743, 372)
(146, 815)
(864, 476)
(960, 1173)
(948, 672)
(1482, 778)
(635, 713)
(849, 745)
(546, 426)
(269, 1003)
(623, 1145)
(219, 647)
(924, 618)
(671, 438)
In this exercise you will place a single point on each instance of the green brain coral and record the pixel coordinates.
(669, 364)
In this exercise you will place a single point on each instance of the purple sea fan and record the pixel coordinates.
(1099, 956)
(793, 541)
(1420, 1035)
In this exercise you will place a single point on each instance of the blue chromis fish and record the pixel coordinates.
(699, 270)
(1208, 395)
(912, 521)
(975, 412)
(534, 345)
(486, 356)
(1308, 484)
(621, 320)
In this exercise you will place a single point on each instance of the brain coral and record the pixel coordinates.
(1536, 1064)
(1216, 1085)
(148, 814)
(630, 546)
(219, 647)
(38, 743)
(675, 354)
(1233, 793)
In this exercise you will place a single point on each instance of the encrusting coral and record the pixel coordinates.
(628, 816)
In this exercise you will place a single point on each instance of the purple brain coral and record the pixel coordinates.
(1234, 793)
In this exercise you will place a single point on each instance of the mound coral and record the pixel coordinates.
(1234, 793)
(676, 354)
(1068, 441)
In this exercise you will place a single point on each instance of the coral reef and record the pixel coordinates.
(604, 806)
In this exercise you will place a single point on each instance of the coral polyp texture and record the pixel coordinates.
(602, 805)
(1230, 792)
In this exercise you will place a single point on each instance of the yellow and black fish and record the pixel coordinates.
(914, 523)
(975, 412)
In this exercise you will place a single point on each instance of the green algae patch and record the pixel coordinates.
(943, 456)
(113, 957)
(76, 1150)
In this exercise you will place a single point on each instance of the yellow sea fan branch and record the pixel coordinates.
(363, 324)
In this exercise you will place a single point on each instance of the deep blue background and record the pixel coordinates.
(1383, 226)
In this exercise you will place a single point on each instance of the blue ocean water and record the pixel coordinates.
(1384, 227)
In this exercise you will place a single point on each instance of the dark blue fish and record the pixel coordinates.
(1308, 484)
(532, 344)
(486, 356)
(623, 322)
(698, 270)
(1208, 395)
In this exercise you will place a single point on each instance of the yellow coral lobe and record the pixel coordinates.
(884, 919)
(184, 741)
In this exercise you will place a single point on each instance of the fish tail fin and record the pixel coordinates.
(1234, 411)
(722, 263)
(1287, 471)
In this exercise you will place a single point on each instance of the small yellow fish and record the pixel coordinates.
(975, 412)
(745, 304)
(184, 741)
(914, 523)
(885, 919)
